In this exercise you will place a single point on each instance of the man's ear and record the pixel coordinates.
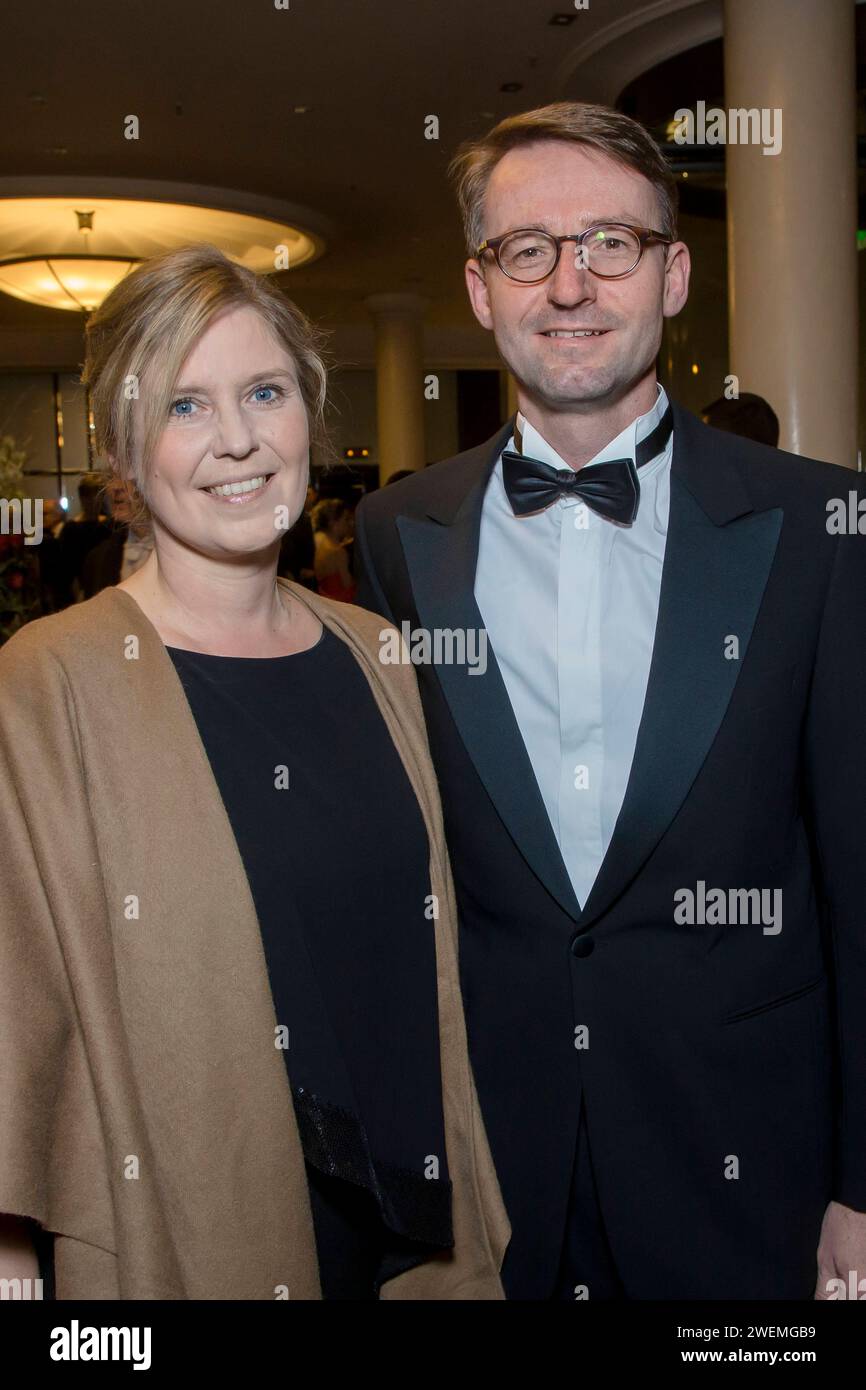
(479, 295)
(678, 267)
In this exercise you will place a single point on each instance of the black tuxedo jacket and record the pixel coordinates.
(725, 1073)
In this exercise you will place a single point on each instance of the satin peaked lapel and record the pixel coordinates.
(717, 561)
(441, 558)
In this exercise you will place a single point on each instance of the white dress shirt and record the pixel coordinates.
(570, 602)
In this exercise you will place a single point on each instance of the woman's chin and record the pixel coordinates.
(262, 546)
(237, 544)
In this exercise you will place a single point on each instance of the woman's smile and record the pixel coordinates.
(241, 491)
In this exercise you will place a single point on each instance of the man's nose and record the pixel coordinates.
(571, 283)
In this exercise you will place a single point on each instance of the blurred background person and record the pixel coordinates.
(747, 415)
(122, 552)
(52, 586)
(80, 535)
(333, 530)
(298, 549)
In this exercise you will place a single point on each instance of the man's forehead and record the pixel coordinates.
(546, 218)
(554, 160)
(597, 189)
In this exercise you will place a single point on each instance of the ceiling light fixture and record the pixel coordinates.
(68, 252)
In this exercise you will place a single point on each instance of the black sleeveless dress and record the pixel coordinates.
(336, 853)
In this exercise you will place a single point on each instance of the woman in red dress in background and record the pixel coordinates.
(332, 524)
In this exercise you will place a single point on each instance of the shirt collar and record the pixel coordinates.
(623, 446)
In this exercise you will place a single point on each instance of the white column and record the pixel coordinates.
(399, 381)
(792, 220)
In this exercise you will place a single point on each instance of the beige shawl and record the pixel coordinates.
(145, 1113)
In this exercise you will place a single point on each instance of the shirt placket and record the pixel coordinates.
(580, 693)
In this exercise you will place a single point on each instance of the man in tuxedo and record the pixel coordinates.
(654, 792)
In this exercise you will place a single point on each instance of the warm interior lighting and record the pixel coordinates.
(70, 252)
(61, 282)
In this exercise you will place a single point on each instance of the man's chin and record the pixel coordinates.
(561, 390)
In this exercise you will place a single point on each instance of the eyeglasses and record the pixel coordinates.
(609, 250)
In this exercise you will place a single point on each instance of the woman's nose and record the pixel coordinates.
(234, 433)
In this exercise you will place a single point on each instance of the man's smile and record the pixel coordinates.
(570, 334)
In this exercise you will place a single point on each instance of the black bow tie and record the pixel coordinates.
(610, 488)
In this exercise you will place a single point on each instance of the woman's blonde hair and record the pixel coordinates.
(144, 331)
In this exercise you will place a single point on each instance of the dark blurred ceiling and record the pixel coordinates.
(216, 87)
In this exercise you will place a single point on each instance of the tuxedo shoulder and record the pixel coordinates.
(440, 485)
(411, 494)
(775, 476)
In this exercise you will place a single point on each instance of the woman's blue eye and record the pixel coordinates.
(184, 408)
(274, 390)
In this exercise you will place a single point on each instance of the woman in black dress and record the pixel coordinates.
(359, 1004)
(213, 444)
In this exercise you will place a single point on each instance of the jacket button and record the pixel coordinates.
(582, 946)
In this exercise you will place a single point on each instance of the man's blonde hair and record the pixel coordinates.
(577, 122)
(145, 329)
